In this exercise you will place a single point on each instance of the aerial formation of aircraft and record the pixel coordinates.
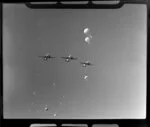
(47, 57)
(67, 59)
(86, 63)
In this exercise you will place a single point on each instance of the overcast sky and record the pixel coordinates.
(115, 86)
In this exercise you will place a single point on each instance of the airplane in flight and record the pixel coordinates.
(69, 58)
(47, 57)
(86, 63)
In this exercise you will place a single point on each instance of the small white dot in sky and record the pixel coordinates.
(86, 30)
(54, 114)
(87, 40)
(46, 109)
(85, 77)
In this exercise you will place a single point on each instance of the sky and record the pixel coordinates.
(113, 87)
